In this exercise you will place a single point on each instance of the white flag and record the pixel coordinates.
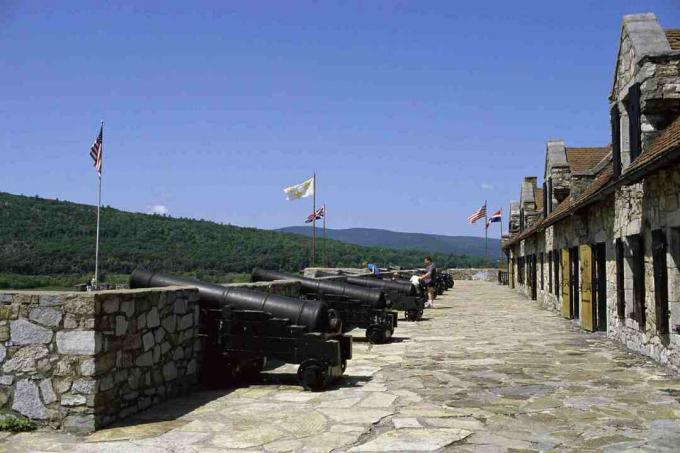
(303, 190)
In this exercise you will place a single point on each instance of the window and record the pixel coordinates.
(634, 130)
(550, 271)
(620, 294)
(616, 140)
(638, 265)
(660, 282)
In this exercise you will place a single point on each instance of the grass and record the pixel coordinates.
(16, 424)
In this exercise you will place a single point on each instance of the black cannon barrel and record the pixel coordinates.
(373, 296)
(401, 287)
(310, 313)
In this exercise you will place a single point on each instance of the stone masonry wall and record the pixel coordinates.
(81, 360)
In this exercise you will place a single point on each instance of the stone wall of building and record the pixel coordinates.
(650, 206)
(81, 360)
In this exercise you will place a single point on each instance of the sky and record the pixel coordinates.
(412, 113)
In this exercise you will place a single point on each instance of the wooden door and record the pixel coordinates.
(566, 284)
(511, 272)
(586, 309)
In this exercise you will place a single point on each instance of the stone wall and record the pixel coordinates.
(489, 275)
(81, 360)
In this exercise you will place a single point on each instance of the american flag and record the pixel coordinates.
(319, 215)
(478, 214)
(96, 151)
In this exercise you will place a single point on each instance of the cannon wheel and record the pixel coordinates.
(414, 315)
(376, 334)
(312, 374)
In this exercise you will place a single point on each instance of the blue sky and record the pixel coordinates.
(411, 113)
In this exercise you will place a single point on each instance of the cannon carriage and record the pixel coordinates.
(242, 329)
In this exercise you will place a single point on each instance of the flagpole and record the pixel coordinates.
(99, 204)
(486, 233)
(314, 221)
(325, 245)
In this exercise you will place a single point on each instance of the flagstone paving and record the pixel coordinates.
(488, 371)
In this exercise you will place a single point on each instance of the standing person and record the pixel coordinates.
(428, 281)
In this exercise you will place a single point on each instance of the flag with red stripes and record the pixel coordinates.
(478, 214)
(96, 151)
(318, 215)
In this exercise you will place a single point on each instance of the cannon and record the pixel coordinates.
(362, 307)
(243, 328)
(400, 294)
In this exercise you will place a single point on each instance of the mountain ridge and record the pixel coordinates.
(434, 243)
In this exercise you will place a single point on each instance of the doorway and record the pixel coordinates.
(600, 286)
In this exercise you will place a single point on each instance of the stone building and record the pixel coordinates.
(605, 248)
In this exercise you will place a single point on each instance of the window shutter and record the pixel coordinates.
(633, 107)
(616, 140)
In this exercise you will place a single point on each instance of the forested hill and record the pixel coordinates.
(372, 237)
(51, 237)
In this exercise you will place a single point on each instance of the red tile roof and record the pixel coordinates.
(583, 159)
(673, 36)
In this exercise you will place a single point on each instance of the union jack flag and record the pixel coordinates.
(318, 215)
(478, 214)
(96, 151)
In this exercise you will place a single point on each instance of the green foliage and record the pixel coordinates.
(40, 237)
(16, 424)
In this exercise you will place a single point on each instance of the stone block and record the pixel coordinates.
(128, 307)
(145, 359)
(9, 312)
(169, 323)
(84, 386)
(69, 399)
(24, 360)
(153, 318)
(159, 335)
(79, 305)
(87, 367)
(141, 321)
(48, 300)
(3, 353)
(6, 379)
(70, 321)
(121, 325)
(165, 347)
(77, 342)
(27, 400)
(180, 306)
(131, 342)
(148, 341)
(186, 322)
(156, 354)
(110, 305)
(47, 316)
(4, 332)
(47, 391)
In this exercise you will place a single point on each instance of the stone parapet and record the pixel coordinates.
(81, 360)
(488, 275)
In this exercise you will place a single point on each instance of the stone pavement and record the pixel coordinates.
(488, 371)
